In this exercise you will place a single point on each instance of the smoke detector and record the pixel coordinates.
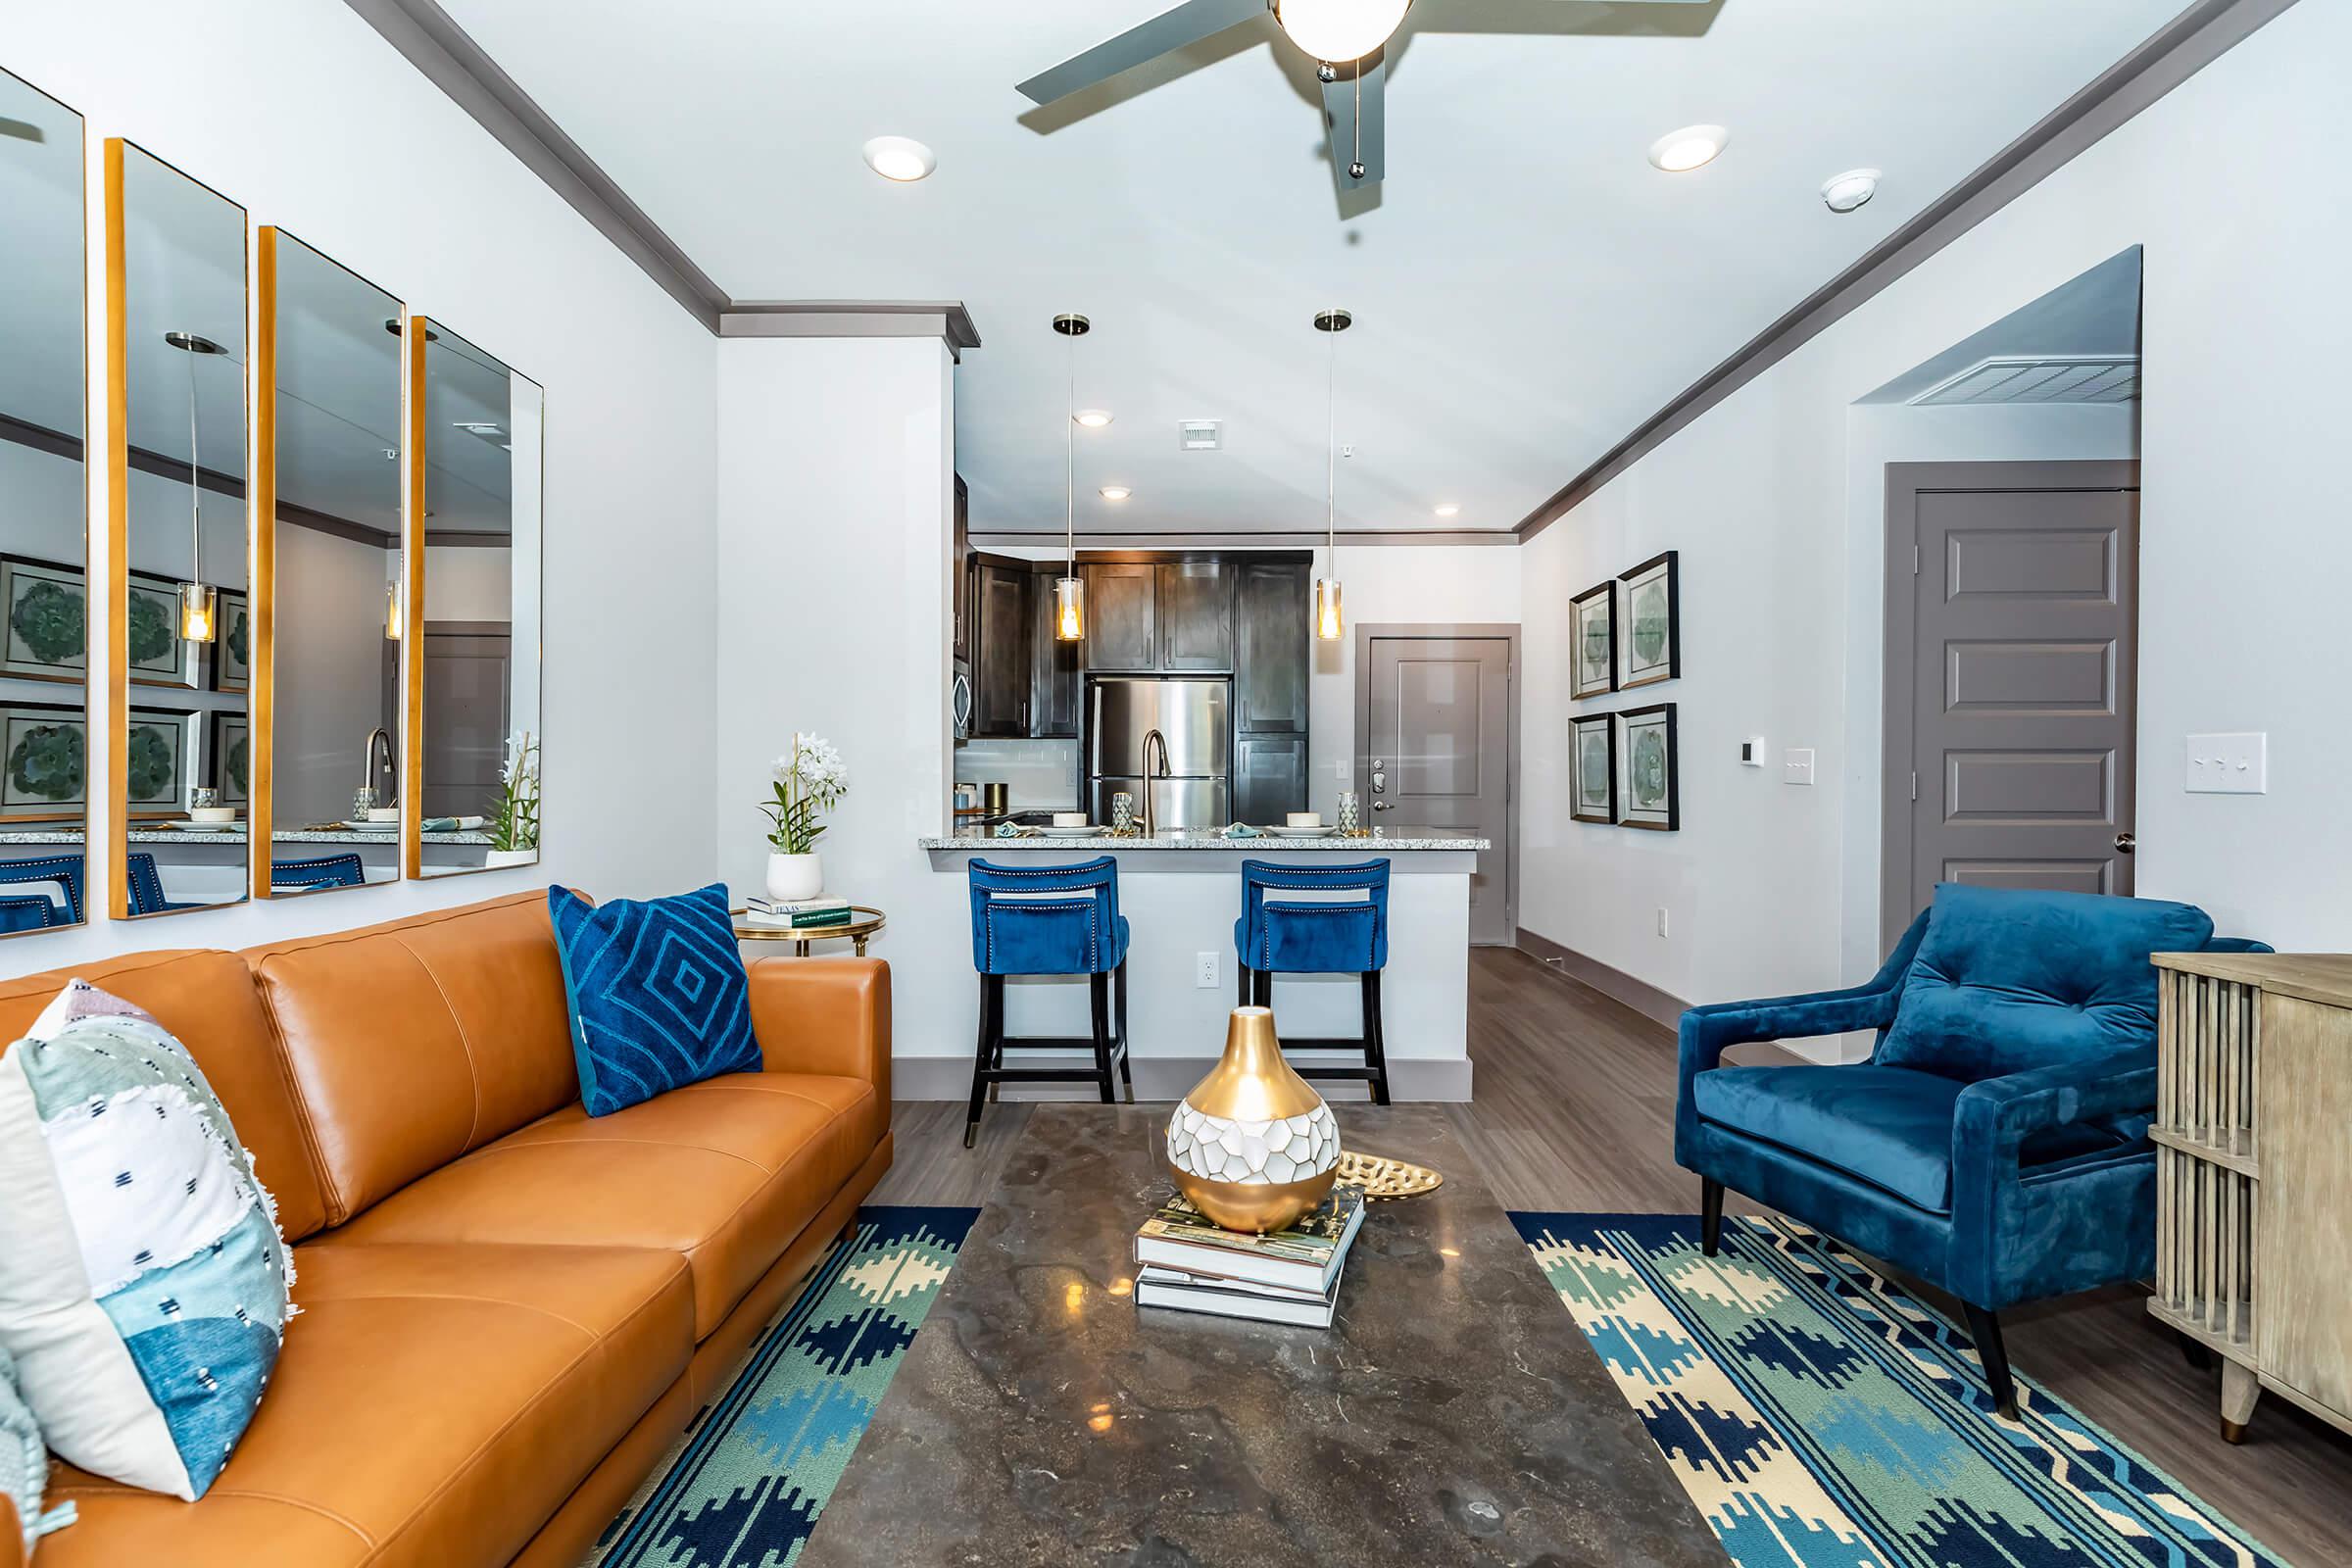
(1200, 435)
(1845, 192)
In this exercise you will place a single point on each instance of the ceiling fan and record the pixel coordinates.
(1347, 40)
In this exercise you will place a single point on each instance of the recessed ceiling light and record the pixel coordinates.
(1450, 510)
(1850, 190)
(1115, 492)
(899, 158)
(1093, 418)
(1677, 152)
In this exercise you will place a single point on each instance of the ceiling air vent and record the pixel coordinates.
(1200, 435)
(2034, 378)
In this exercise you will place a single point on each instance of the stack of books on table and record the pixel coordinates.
(1190, 1265)
(796, 914)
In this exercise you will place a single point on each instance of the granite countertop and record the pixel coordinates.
(1100, 844)
(149, 835)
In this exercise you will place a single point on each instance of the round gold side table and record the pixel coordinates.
(862, 923)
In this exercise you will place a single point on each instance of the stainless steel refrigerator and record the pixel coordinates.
(1194, 714)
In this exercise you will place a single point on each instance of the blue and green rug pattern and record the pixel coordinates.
(1820, 1417)
(743, 1487)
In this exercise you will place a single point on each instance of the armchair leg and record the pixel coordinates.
(2241, 1389)
(1985, 1329)
(1710, 1215)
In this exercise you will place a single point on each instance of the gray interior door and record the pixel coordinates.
(1435, 753)
(467, 670)
(2012, 603)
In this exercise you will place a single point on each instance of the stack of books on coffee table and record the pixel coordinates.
(796, 914)
(1186, 1263)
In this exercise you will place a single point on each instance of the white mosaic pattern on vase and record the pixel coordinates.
(1219, 1149)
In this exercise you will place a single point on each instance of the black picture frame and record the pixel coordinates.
(1581, 609)
(1631, 754)
(229, 672)
(229, 728)
(1578, 728)
(1649, 672)
(72, 669)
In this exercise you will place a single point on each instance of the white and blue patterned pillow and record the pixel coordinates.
(147, 1287)
(23, 1463)
(658, 993)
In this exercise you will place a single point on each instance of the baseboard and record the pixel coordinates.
(1615, 983)
(1159, 1078)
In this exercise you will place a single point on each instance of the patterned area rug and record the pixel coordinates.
(1821, 1417)
(744, 1485)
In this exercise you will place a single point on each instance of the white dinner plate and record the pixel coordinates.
(372, 827)
(1299, 832)
(1086, 832)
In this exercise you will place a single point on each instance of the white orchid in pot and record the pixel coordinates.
(809, 780)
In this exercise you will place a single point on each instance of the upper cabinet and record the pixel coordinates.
(1056, 672)
(1195, 615)
(1000, 662)
(1270, 625)
(959, 568)
(1122, 625)
(44, 663)
(1158, 617)
(177, 357)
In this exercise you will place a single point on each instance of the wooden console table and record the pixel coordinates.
(2254, 1173)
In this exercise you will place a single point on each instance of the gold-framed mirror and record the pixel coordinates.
(327, 475)
(471, 628)
(180, 659)
(44, 523)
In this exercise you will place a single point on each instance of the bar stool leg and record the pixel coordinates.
(1376, 1046)
(1241, 973)
(1118, 991)
(1262, 982)
(984, 1057)
(1097, 987)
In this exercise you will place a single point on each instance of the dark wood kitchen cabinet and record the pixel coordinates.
(1056, 675)
(1269, 778)
(1123, 618)
(1001, 662)
(962, 569)
(1272, 638)
(1195, 615)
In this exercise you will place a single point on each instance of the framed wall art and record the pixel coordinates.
(44, 763)
(1592, 640)
(232, 646)
(158, 655)
(46, 604)
(228, 766)
(1651, 641)
(1592, 746)
(1648, 786)
(156, 760)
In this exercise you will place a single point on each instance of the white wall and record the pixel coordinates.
(1772, 501)
(330, 646)
(301, 112)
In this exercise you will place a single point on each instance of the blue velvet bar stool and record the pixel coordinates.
(38, 910)
(317, 871)
(1298, 936)
(1049, 921)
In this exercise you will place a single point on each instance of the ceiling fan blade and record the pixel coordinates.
(1188, 23)
(1349, 143)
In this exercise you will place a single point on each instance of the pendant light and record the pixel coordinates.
(392, 607)
(1328, 619)
(197, 600)
(1069, 594)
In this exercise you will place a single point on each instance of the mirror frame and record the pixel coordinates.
(118, 525)
(93, 712)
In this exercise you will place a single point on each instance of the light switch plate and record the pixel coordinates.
(1796, 766)
(2229, 765)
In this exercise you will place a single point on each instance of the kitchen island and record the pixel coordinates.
(1181, 894)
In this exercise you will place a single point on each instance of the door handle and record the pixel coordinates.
(2125, 844)
(1384, 806)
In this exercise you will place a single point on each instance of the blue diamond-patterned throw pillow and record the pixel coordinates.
(657, 992)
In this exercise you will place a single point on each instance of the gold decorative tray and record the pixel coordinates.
(1382, 1177)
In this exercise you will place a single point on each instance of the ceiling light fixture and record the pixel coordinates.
(198, 601)
(899, 158)
(1449, 508)
(1850, 190)
(1677, 152)
(1069, 594)
(1327, 620)
(1115, 492)
(1339, 30)
(1091, 419)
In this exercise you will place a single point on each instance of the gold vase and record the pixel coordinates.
(1253, 1147)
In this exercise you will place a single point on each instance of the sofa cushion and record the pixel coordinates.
(724, 1173)
(434, 1405)
(414, 1042)
(1889, 1126)
(2008, 980)
(656, 994)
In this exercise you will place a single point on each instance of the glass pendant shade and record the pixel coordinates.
(198, 602)
(1069, 609)
(1339, 30)
(1328, 622)
(392, 611)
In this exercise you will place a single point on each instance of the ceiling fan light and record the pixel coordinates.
(1339, 30)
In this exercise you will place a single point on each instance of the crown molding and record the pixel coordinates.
(946, 319)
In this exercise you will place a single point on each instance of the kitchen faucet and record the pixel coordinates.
(1151, 817)
(391, 766)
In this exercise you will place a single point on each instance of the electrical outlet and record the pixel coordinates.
(1204, 970)
(1661, 920)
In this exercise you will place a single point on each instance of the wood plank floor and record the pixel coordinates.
(1574, 1111)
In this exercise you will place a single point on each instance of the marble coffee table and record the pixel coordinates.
(1454, 1414)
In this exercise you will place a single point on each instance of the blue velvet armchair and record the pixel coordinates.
(1995, 1142)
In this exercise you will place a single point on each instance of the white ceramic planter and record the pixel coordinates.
(494, 859)
(795, 876)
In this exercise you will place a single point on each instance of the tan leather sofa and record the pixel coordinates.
(509, 1310)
